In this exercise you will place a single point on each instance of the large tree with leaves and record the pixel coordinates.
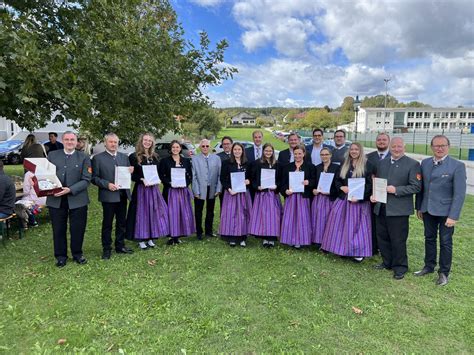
(120, 66)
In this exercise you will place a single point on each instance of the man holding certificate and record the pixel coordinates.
(113, 198)
(397, 180)
(206, 187)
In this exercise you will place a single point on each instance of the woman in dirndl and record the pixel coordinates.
(236, 206)
(265, 218)
(348, 229)
(180, 210)
(296, 223)
(147, 217)
(322, 202)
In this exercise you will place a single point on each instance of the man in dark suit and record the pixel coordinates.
(439, 205)
(53, 143)
(340, 149)
(313, 150)
(74, 171)
(403, 177)
(114, 200)
(226, 143)
(286, 156)
(7, 194)
(255, 152)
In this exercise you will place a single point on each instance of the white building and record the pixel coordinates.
(371, 119)
(10, 130)
(244, 118)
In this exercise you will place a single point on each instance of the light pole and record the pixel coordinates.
(385, 105)
(356, 110)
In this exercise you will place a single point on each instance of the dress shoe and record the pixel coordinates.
(232, 244)
(143, 246)
(124, 250)
(61, 263)
(106, 255)
(170, 241)
(423, 272)
(442, 279)
(357, 259)
(199, 236)
(243, 244)
(382, 266)
(81, 260)
(398, 276)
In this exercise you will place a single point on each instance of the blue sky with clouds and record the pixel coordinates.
(296, 53)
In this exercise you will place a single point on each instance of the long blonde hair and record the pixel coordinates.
(359, 168)
(143, 153)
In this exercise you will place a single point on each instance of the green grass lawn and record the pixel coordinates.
(203, 296)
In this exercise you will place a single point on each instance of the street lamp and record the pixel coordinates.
(356, 110)
(385, 105)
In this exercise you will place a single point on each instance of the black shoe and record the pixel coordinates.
(199, 236)
(442, 279)
(124, 250)
(80, 260)
(106, 254)
(423, 272)
(382, 266)
(398, 276)
(210, 235)
(232, 244)
(61, 263)
(170, 241)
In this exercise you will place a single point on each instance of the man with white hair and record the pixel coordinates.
(206, 186)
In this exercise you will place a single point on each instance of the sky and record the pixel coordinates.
(301, 53)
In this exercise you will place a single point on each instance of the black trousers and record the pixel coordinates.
(433, 225)
(392, 235)
(119, 210)
(77, 227)
(375, 245)
(198, 209)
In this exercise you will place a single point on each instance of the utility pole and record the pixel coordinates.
(385, 105)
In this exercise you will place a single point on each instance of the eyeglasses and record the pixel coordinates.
(338, 136)
(317, 135)
(325, 155)
(204, 146)
(440, 146)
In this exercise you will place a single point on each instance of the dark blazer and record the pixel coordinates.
(223, 155)
(166, 164)
(309, 174)
(444, 188)
(103, 173)
(405, 175)
(7, 194)
(250, 153)
(333, 168)
(74, 172)
(374, 158)
(338, 155)
(50, 147)
(256, 174)
(369, 172)
(227, 168)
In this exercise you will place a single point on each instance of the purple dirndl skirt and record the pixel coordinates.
(152, 213)
(296, 224)
(235, 214)
(265, 218)
(348, 229)
(320, 208)
(180, 212)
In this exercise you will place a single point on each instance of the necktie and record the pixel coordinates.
(208, 172)
(380, 156)
(258, 153)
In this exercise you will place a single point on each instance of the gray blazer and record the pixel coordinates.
(444, 188)
(103, 173)
(200, 181)
(405, 175)
(74, 172)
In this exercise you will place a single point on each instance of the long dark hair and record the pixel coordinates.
(243, 159)
(272, 158)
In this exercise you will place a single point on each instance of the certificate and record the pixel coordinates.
(325, 182)
(296, 181)
(178, 177)
(237, 181)
(150, 175)
(267, 178)
(356, 188)
(123, 178)
(380, 190)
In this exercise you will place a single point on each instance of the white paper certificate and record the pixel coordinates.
(325, 181)
(380, 190)
(296, 181)
(123, 178)
(237, 181)
(267, 178)
(178, 177)
(356, 188)
(150, 175)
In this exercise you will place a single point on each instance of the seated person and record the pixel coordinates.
(7, 194)
(30, 204)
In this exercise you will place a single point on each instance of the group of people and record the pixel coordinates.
(337, 223)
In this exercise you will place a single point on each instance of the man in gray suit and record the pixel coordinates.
(114, 200)
(74, 171)
(439, 205)
(206, 186)
(403, 177)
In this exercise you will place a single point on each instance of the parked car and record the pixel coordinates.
(218, 147)
(163, 149)
(10, 151)
(306, 140)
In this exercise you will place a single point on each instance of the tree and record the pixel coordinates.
(108, 66)
(202, 123)
(317, 119)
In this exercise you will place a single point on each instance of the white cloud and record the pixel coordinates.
(207, 3)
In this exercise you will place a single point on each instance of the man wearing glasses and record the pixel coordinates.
(439, 205)
(340, 148)
(313, 150)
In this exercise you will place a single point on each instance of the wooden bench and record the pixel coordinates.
(5, 225)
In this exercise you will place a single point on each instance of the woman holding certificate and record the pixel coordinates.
(147, 217)
(176, 175)
(236, 204)
(297, 185)
(265, 218)
(325, 193)
(348, 228)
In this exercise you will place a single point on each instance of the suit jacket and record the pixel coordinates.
(200, 176)
(444, 188)
(284, 158)
(338, 155)
(74, 172)
(103, 173)
(250, 153)
(227, 168)
(333, 168)
(309, 174)
(374, 158)
(223, 155)
(7, 194)
(405, 175)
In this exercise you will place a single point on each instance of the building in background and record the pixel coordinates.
(243, 119)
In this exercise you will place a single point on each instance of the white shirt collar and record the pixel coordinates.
(112, 154)
(67, 153)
